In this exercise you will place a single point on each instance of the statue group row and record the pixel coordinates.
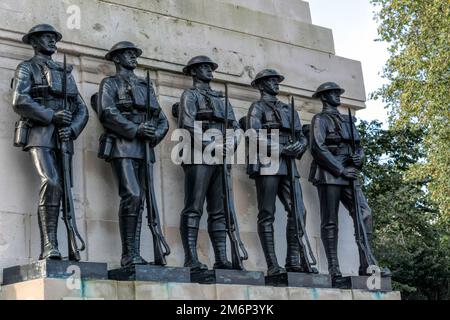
(53, 114)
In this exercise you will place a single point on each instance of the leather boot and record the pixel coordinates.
(295, 257)
(137, 243)
(268, 246)
(48, 227)
(330, 242)
(128, 226)
(293, 249)
(219, 242)
(189, 235)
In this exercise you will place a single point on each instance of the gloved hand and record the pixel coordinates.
(292, 149)
(356, 160)
(146, 131)
(62, 118)
(350, 173)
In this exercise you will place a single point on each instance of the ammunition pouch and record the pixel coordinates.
(334, 149)
(21, 132)
(40, 92)
(136, 118)
(284, 139)
(106, 146)
(125, 105)
(271, 126)
(206, 125)
(205, 115)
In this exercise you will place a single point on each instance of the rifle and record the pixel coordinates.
(299, 217)
(360, 227)
(237, 246)
(67, 200)
(160, 247)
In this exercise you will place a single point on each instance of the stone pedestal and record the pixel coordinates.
(151, 273)
(294, 279)
(60, 289)
(57, 269)
(361, 282)
(220, 276)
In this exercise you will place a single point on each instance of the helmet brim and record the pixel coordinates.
(255, 82)
(27, 38)
(187, 69)
(317, 94)
(110, 55)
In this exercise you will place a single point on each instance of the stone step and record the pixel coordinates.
(61, 289)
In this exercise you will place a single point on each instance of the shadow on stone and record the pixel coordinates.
(58, 269)
(151, 273)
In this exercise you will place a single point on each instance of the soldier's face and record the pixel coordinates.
(270, 85)
(44, 43)
(203, 72)
(127, 59)
(333, 97)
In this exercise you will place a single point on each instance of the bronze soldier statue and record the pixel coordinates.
(334, 171)
(42, 88)
(123, 107)
(269, 113)
(203, 181)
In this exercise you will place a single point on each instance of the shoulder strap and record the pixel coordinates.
(38, 73)
(274, 110)
(122, 92)
(334, 120)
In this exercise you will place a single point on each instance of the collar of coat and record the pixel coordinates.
(209, 92)
(51, 64)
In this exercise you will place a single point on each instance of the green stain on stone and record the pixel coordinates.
(314, 294)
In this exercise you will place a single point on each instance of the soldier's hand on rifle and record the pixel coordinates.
(350, 173)
(291, 150)
(146, 131)
(62, 118)
(356, 160)
(65, 134)
(301, 151)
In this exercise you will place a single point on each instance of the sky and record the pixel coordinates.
(354, 32)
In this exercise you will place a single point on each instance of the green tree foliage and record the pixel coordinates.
(417, 93)
(410, 238)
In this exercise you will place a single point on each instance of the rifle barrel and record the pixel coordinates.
(352, 133)
(292, 118)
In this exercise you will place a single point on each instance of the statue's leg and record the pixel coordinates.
(46, 164)
(131, 196)
(216, 220)
(294, 256)
(266, 191)
(330, 196)
(196, 182)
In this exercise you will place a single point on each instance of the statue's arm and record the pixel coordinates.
(255, 122)
(188, 113)
(161, 129)
(319, 150)
(80, 117)
(300, 137)
(23, 103)
(110, 116)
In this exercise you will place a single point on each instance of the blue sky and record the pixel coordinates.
(354, 32)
